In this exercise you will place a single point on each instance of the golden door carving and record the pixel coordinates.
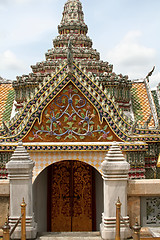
(71, 197)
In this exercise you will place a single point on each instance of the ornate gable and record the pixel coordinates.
(70, 117)
(73, 107)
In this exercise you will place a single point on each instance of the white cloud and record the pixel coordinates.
(23, 33)
(131, 57)
(30, 29)
(26, 21)
(21, 2)
(9, 61)
(154, 80)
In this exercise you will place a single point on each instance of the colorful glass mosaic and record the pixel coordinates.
(70, 117)
(140, 103)
(42, 160)
(7, 94)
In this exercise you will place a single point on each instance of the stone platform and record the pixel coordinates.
(146, 234)
(69, 236)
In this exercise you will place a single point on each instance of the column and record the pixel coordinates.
(115, 176)
(20, 169)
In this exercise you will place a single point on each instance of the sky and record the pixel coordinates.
(125, 32)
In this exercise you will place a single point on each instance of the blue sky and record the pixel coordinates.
(125, 32)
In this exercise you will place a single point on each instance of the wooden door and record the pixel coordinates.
(70, 195)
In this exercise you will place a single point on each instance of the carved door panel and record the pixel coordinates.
(70, 197)
(82, 197)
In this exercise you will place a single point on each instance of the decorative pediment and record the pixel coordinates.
(73, 107)
(70, 117)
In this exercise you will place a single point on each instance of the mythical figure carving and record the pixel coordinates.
(70, 57)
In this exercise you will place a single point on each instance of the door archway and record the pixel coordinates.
(42, 196)
(71, 194)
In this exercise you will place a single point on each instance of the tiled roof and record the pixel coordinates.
(140, 103)
(7, 94)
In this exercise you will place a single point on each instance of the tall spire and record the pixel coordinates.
(72, 28)
(73, 18)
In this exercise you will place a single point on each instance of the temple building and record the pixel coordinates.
(68, 112)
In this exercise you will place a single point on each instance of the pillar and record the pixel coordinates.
(115, 176)
(20, 169)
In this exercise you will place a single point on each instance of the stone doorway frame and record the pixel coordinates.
(115, 176)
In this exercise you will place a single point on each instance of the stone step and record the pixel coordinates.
(69, 236)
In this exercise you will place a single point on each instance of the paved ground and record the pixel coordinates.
(146, 234)
(70, 236)
(155, 232)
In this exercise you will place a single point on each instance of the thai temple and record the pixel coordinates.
(75, 136)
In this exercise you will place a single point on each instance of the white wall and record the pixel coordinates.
(99, 198)
(40, 201)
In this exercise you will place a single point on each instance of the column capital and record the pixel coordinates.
(20, 160)
(115, 166)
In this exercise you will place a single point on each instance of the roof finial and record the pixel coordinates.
(150, 73)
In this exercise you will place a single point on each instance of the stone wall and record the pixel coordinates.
(136, 190)
(4, 202)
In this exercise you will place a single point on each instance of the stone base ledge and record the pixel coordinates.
(109, 233)
(143, 187)
(4, 188)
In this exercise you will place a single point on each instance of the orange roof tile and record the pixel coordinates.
(140, 103)
(7, 94)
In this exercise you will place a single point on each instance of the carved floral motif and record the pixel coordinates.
(70, 116)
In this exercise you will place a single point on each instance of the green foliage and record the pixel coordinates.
(55, 125)
(31, 138)
(64, 91)
(65, 119)
(36, 128)
(85, 124)
(91, 128)
(76, 101)
(82, 114)
(105, 127)
(110, 138)
(58, 137)
(48, 121)
(82, 137)
(57, 115)
(98, 127)
(48, 128)
(70, 124)
(75, 90)
(74, 118)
